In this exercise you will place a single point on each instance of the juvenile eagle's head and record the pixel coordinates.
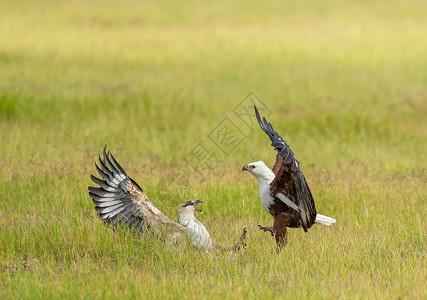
(189, 207)
(260, 170)
(197, 232)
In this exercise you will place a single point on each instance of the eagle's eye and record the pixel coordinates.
(253, 167)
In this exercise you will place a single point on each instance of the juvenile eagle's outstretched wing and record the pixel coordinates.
(289, 184)
(120, 201)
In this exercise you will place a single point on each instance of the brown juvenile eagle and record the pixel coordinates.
(120, 201)
(283, 191)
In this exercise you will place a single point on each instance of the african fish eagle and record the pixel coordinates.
(283, 190)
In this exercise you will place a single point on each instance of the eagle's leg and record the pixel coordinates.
(240, 243)
(266, 228)
(279, 229)
(281, 237)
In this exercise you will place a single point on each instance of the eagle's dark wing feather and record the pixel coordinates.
(120, 201)
(289, 182)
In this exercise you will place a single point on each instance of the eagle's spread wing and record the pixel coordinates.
(289, 184)
(120, 201)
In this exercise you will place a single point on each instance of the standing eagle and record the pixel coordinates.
(120, 201)
(283, 191)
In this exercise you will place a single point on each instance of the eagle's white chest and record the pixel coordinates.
(264, 196)
(198, 234)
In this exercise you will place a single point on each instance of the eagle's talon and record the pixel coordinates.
(263, 228)
(241, 241)
(266, 228)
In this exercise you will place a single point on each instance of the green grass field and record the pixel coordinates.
(346, 83)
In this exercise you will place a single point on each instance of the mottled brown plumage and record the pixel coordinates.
(120, 201)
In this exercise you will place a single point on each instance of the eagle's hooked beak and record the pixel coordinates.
(245, 168)
(197, 202)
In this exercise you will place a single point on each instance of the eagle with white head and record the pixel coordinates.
(120, 201)
(283, 190)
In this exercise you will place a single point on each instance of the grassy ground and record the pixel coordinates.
(346, 82)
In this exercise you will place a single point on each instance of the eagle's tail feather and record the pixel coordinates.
(325, 220)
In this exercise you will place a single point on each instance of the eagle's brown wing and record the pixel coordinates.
(289, 184)
(120, 201)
